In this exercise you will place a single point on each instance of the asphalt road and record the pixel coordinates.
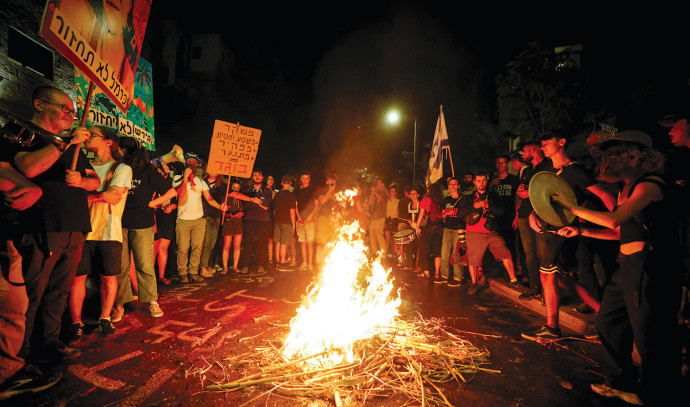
(168, 361)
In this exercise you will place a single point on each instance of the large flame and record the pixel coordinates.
(351, 301)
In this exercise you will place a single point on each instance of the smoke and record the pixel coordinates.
(407, 59)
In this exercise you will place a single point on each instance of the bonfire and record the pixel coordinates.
(349, 343)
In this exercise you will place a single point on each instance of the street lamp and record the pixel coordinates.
(394, 117)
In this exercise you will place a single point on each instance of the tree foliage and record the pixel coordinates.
(540, 91)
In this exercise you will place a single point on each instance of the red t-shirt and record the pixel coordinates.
(431, 208)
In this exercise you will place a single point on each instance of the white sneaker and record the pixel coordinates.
(303, 267)
(155, 309)
(606, 391)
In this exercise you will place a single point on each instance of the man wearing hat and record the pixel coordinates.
(557, 254)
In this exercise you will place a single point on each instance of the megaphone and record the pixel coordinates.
(176, 154)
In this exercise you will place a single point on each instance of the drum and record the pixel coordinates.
(404, 237)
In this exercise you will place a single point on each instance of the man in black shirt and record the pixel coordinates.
(56, 225)
(306, 222)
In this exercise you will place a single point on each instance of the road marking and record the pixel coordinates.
(90, 375)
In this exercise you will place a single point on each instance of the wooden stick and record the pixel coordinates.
(450, 158)
(84, 116)
(227, 191)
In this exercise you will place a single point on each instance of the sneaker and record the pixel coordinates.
(440, 280)
(545, 332)
(606, 391)
(530, 294)
(57, 351)
(515, 285)
(196, 278)
(454, 283)
(310, 267)
(184, 279)
(293, 263)
(473, 290)
(244, 270)
(591, 333)
(28, 379)
(75, 333)
(205, 273)
(260, 270)
(583, 309)
(106, 328)
(117, 313)
(303, 267)
(155, 309)
(165, 281)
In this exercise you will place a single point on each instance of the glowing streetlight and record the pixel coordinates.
(393, 117)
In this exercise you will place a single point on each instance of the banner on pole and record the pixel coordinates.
(138, 120)
(233, 149)
(102, 41)
(435, 170)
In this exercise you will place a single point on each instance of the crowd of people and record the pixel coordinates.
(112, 212)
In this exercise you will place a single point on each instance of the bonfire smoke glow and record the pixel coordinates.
(351, 301)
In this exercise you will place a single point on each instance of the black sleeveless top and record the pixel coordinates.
(654, 225)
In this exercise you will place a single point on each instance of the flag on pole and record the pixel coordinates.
(435, 170)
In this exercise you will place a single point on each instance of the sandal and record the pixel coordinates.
(224, 270)
(165, 281)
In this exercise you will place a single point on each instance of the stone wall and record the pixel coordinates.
(17, 81)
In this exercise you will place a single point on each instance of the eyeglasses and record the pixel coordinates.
(65, 109)
(97, 135)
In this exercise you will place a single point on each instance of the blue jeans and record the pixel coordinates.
(450, 238)
(140, 242)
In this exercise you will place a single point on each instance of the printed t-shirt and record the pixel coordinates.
(146, 182)
(106, 219)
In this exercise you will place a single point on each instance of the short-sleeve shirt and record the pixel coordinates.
(305, 200)
(193, 209)
(146, 182)
(254, 212)
(283, 202)
(431, 208)
(61, 208)
(578, 177)
(505, 189)
(452, 221)
(526, 206)
(106, 219)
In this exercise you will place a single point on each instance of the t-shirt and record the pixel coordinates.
(106, 219)
(305, 201)
(327, 207)
(494, 207)
(431, 208)
(505, 189)
(217, 192)
(283, 202)
(146, 182)
(452, 221)
(61, 208)
(578, 177)
(254, 212)
(392, 209)
(526, 175)
(193, 209)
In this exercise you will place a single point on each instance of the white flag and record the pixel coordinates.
(435, 170)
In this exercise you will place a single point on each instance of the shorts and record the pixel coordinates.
(102, 255)
(165, 226)
(477, 243)
(282, 233)
(306, 231)
(391, 225)
(232, 226)
(325, 230)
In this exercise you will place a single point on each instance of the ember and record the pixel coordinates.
(349, 340)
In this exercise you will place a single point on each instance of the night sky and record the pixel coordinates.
(325, 75)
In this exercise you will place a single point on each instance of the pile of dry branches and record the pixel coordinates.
(411, 360)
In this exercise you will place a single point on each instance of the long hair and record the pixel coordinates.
(651, 160)
(133, 154)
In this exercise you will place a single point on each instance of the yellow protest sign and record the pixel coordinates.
(233, 149)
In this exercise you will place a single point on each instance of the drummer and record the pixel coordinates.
(557, 255)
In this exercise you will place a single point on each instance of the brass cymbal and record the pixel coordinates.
(542, 185)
